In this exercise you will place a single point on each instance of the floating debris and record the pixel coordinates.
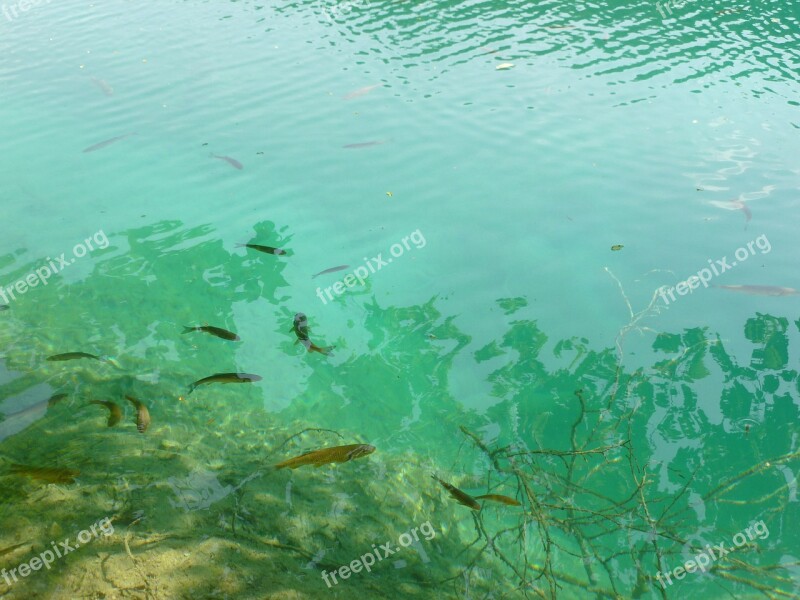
(617, 247)
(217, 331)
(504, 66)
(337, 454)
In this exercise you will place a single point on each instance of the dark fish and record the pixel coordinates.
(48, 474)
(265, 249)
(114, 414)
(300, 328)
(107, 142)
(225, 378)
(5, 551)
(217, 331)
(77, 355)
(499, 498)
(331, 270)
(461, 497)
(231, 161)
(760, 290)
(55, 399)
(142, 414)
(364, 144)
(337, 454)
(4, 307)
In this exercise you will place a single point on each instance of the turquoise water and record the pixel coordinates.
(505, 348)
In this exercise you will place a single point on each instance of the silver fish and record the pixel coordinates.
(760, 290)
(360, 92)
(331, 270)
(363, 144)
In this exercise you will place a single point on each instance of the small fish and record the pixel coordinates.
(265, 249)
(734, 204)
(77, 355)
(746, 430)
(48, 474)
(217, 331)
(5, 551)
(760, 290)
(337, 454)
(504, 66)
(142, 414)
(107, 142)
(225, 378)
(617, 247)
(300, 328)
(231, 161)
(364, 144)
(4, 307)
(499, 498)
(55, 399)
(331, 270)
(114, 411)
(360, 92)
(103, 85)
(461, 497)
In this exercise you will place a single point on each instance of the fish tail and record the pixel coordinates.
(188, 329)
(191, 388)
(241, 245)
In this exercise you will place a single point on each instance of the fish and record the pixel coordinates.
(734, 204)
(77, 355)
(360, 92)
(331, 270)
(503, 66)
(617, 247)
(55, 399)
(48, 474)
(142, 414)
(103, 85)
(225, 378)
(336, 454)
(10, 549)
(461, 497)
(760, 290)
(217, 331)
(499, 498)
(300, 328)
(114, 411)
(4, 307)
(231, 161)
(107, 142)
(364, 144)
(265, 249)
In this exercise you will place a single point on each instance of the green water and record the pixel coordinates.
(504, 348)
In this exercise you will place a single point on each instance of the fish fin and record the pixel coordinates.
(187, 329)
